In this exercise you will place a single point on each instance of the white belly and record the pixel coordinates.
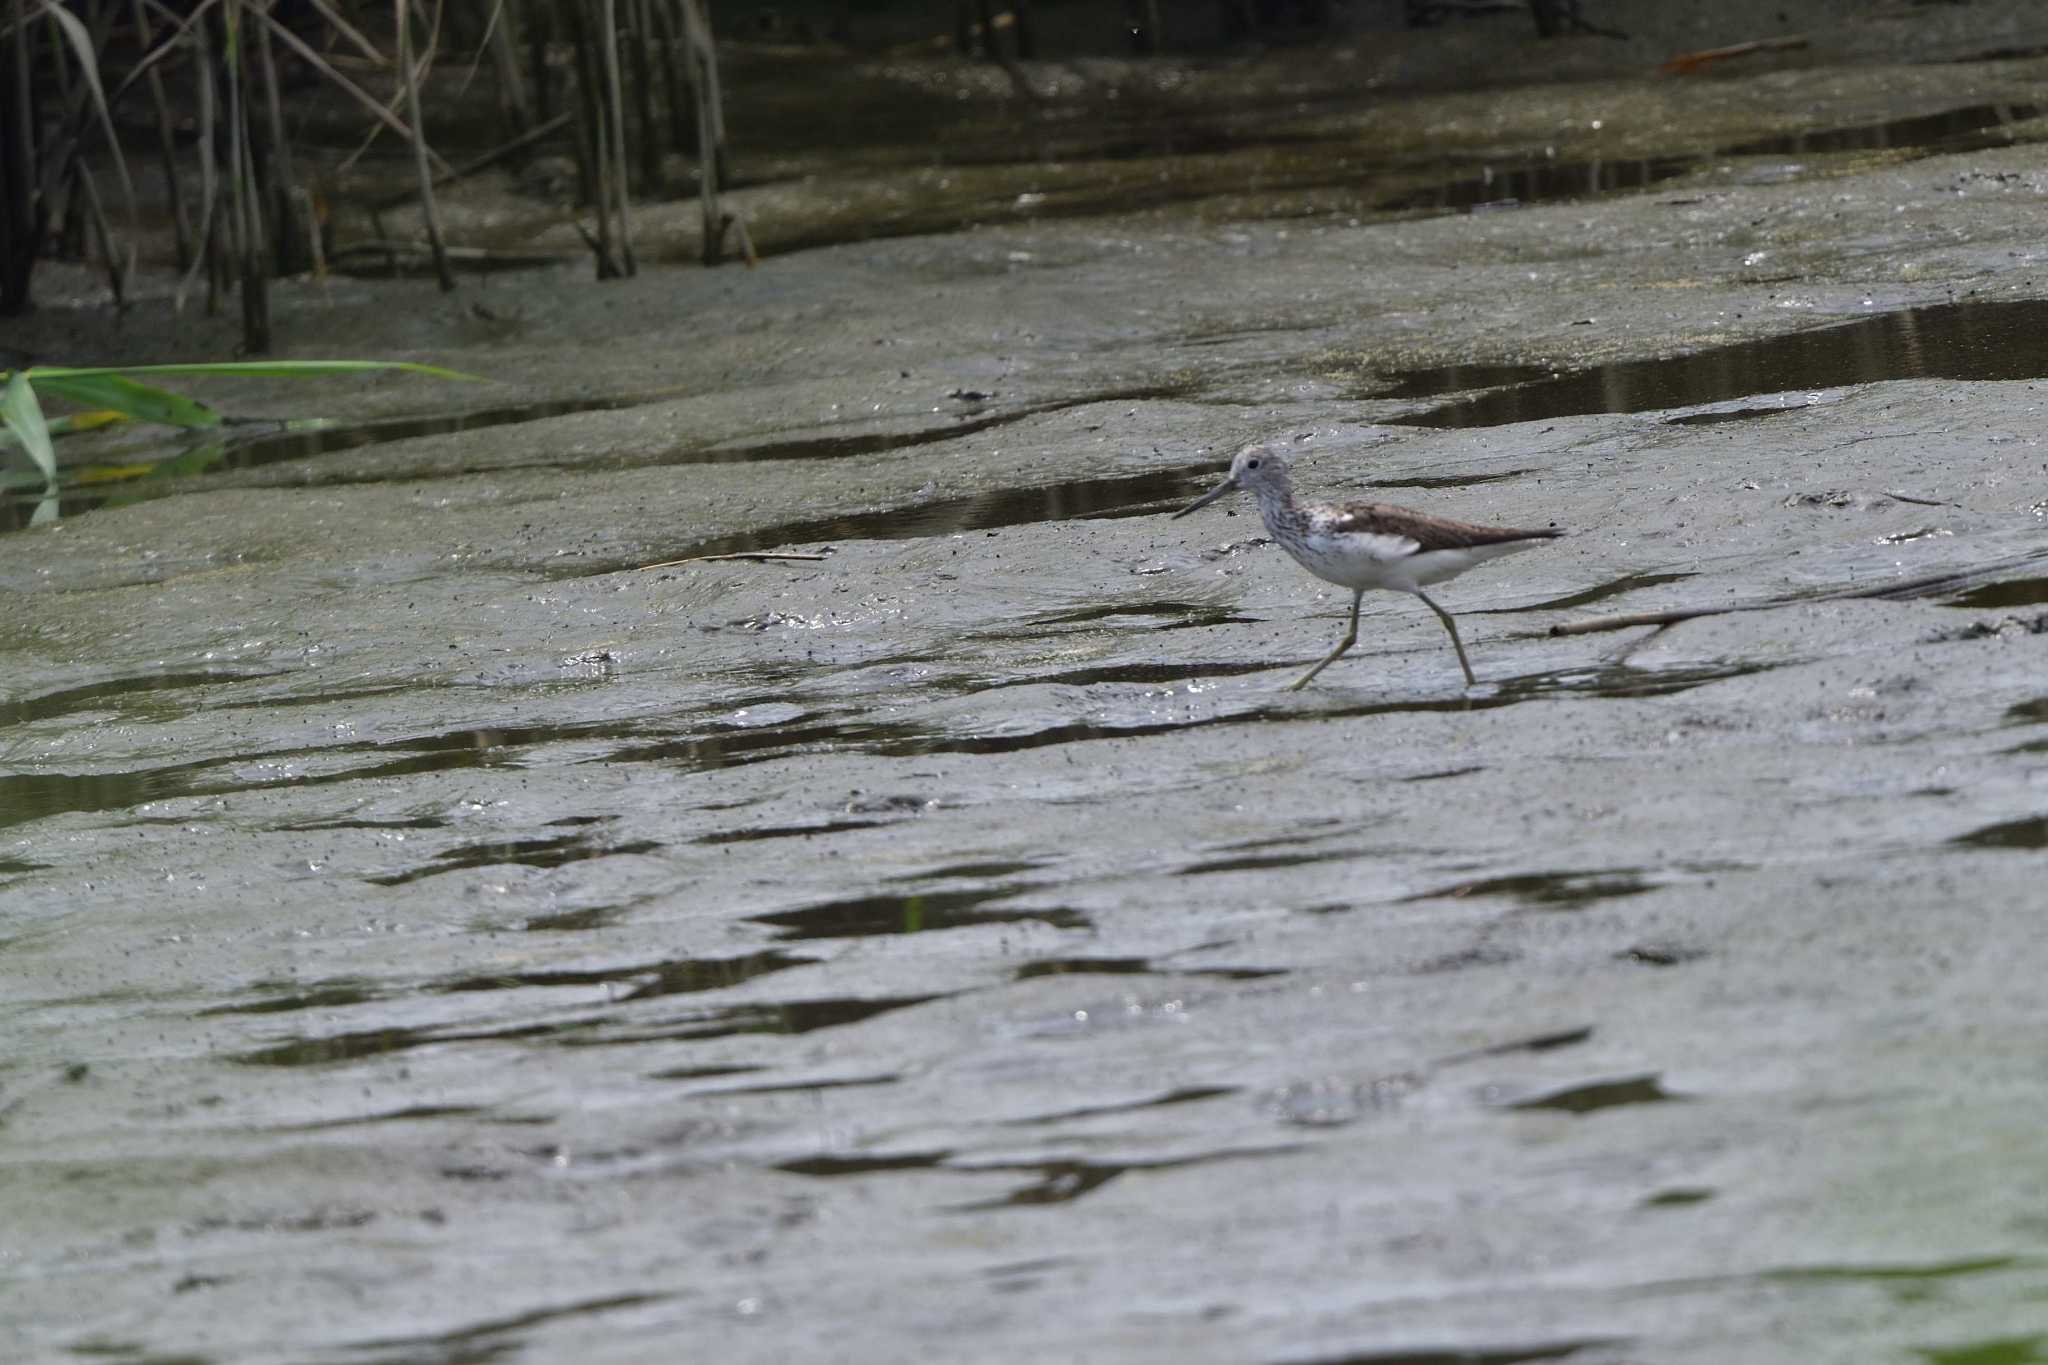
(1358, 560)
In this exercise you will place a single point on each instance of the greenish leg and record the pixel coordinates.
(1456, 643)
(1350, 639)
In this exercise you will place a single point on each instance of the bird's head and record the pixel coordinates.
(1255, 469)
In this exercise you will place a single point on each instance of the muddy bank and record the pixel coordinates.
(427, 935)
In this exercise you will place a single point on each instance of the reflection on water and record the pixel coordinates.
(33, 796)
(2030, 832)
(863, 916)
(36, 795)
(679, 976)
(1965, 341)
(2014, 592)
(1947, 131)
(1430, 380)
(1598, 593)
(1616, 681)
(1535, 181)
(550, 852)
(795, 1016)
(1549, 890)
(1598, 1095)
(1130, 495)
(254, 444)
(1275, 153)
(132, 694)
(490, 1340)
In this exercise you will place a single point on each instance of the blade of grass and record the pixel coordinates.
(23, 416)
(138, 402)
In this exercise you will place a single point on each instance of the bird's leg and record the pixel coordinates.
(1350, 639)
(1456, 643)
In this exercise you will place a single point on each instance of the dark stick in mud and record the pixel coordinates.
(758, 556)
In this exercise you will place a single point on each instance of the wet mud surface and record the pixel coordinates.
(428, 935)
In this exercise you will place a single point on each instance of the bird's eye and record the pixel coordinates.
(1251, 464)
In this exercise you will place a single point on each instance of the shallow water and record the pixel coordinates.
(2001, 340)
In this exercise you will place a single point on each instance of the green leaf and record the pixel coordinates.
(23, 416)
(140, 402)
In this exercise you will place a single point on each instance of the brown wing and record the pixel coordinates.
(1430, 533)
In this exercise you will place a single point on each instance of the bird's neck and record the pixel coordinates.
(1276, 502)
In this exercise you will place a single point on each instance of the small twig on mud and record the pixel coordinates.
(1924, 502)
(1686, 63)
(1594, 624)
(758, 555)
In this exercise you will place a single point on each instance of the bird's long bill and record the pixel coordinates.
(1227, 486)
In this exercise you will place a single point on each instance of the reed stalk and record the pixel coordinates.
(675, 81)
(593, 157)
(246, 207)
(641, 39)
(408, 73)
(502, 48)
(711, 157)
(615, 110)
(166, 145)
(22, 213)
(275, 164)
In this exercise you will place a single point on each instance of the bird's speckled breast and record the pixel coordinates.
(1350, 558)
